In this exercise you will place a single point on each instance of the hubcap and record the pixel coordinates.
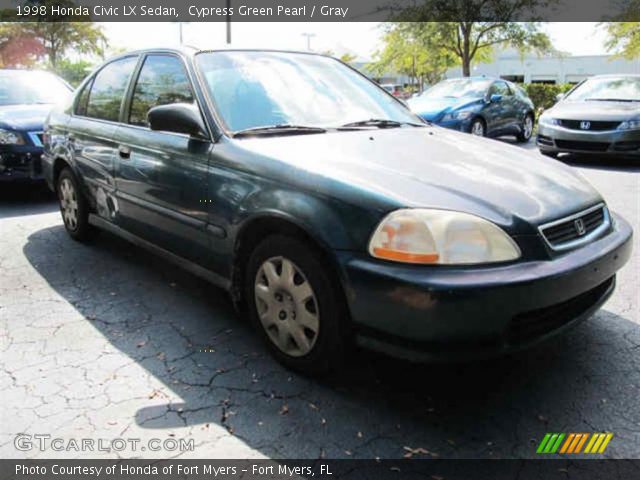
(287, 306)
(477, 129)
(68, 203)
(528, 127)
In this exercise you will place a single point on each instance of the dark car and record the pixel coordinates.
(329, 210)
(26, 98)
(599, 116)
(483, 106)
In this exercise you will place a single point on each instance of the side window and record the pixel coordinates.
(500, 88)
(108, 89)
(162, 80)
(81, 105)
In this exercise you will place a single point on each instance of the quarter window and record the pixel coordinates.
(109, 88)
(162, 80)
(81, 105)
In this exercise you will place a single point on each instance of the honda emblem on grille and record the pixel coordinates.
(579, 224)
(585, 125)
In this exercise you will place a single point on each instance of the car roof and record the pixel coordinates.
(190, 51)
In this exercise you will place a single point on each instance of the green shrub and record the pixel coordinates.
(544, 95)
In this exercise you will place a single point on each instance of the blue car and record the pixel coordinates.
(488, 107)
(26, 98)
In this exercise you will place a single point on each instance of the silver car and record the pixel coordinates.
(600, 115)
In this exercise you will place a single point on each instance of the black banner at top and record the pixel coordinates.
(319, 10)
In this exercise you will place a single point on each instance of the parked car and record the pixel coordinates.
(26, 97)
(395, 90)
(600, 115)
(487, 107)
(335, 213)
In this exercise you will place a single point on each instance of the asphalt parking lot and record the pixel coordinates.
(105, 341)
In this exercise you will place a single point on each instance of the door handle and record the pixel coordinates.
(124, 152)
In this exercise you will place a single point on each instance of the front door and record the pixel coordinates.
(161, 177)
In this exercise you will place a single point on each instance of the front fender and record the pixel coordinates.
(334, 224)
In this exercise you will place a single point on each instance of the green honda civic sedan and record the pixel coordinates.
(332, 214)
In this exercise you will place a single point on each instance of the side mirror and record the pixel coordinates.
(559, 97)
(178, 118)
(495, 98)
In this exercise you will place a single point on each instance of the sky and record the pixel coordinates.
(359, 38)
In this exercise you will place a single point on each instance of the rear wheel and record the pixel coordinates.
(296, 305)
(73, 206)
(478, 128)
(526, 129)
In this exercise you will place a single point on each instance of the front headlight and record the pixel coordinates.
(440, 237)
(7, 137)
(459, 115)
(630, 125)
(548, 120)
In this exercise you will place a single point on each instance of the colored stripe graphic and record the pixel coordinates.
(543, 443)
(573, 443)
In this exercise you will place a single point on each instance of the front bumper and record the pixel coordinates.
(446, 313)
(459, 125)
(21, 163)
(557, 139)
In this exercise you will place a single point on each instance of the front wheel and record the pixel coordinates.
(526, 130)
(478, 128)
(296, 305)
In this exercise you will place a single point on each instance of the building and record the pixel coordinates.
(530, 68)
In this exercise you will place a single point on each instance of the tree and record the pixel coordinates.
(469, 40)
(58, 35)
(624, 36)
(407, 51)
(73, 71)
(16, 49)
(57, 38)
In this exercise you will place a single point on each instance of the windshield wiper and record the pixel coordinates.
(278, 129)
(380, 123)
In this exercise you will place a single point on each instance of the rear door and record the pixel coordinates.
(92, 128)
(161, 177)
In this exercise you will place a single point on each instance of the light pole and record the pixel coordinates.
(228, 22)
(309, 37)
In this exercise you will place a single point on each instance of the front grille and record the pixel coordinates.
(594, 126)
(582, 146)
(576, 229)
(536, 323)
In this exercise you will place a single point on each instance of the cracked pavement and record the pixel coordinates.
(104, 340)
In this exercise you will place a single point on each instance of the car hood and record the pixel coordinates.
(433, 108)
(24, 117)
(595, 111)
(427, 167)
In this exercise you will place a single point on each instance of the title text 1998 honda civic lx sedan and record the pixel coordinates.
(330, 211)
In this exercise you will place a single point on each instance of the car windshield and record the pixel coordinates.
(625, 89)
(28, 87)
(258, 89)
(458, 88)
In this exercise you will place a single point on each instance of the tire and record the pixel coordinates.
(526, 130)
(478, 128)
(277, 304)
(74, 207)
